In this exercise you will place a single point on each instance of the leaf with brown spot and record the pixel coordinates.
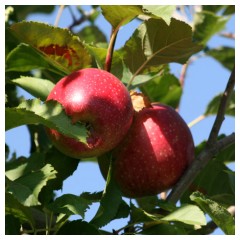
(63, 48)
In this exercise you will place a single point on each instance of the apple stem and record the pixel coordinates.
(109, 56)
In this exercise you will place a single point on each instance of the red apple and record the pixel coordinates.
(98, 99)
(154, 154)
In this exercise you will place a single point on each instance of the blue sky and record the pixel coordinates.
(205, 79)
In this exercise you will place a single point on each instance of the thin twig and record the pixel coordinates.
(196, 120)
(183, 74)
(82, 19)
(198, 164)
(60, 10)
(227, 35)
(222, 109)
(212, 148)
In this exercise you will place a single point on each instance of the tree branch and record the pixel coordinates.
(198, 164)
(221, 110)
(228, 35)
(212, 148)
(83, 18)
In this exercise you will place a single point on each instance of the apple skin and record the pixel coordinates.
(154, 154)
(101, 101)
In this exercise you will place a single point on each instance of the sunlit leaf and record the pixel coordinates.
(119, 15)
(23, 166)
(165, 89)
(92, 34)
(218, 213)
(212, 107)
(25, 58)
(110, 202)
(139, 215)
(27, 188)
(59, 44)
(14, 207)
(224, 55)
(189, 214)
(50, 114)
(99, 54)
(206, 24)
(39, 88)
(165, 11)
(69, 204)
(154, 43)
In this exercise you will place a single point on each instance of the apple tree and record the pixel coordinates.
(121, 107)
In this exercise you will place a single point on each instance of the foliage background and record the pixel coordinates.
(205, 79)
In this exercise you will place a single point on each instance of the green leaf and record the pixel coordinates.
(23, 166)
(99, 54)
(224, 55)
(218, 213)
(15, 208)
(207, 24)
(119, 15)
(64, 165)
(165, 12)
(27, 188)
(93, 197)
(164, 229)
(58, 44)
(39, 88)
(165, 89)
(110, 202)
(140, 79)
(225, 9)
(154, 43)
(138, 215)
(212, 107)
(214, 179)
(189, 214)
(50, 114)
(23, 10)
(69, 204)
(78, 227)
(92, 34)
(24, 58)
(147, 203)
(150, 203)
(123, 210)
(12, 225)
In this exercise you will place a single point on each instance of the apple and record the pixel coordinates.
(101, 101)
(154, 154)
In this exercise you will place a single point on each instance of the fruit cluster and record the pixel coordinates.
(149, 143)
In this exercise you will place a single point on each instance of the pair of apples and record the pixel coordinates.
(150, 148)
